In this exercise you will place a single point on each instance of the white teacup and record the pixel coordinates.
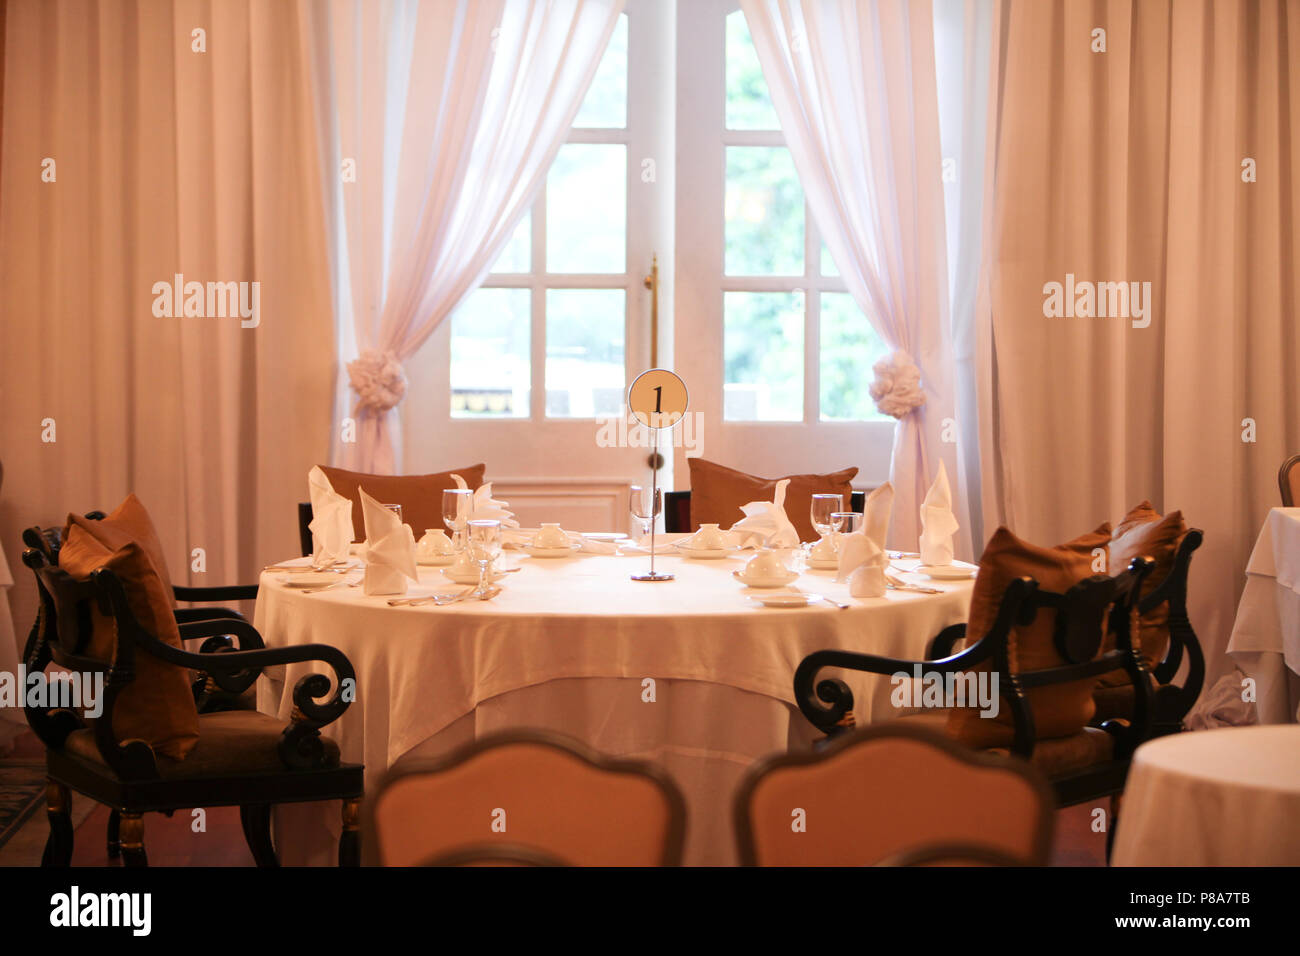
(435, 543)
(550, 536)
(765, 566)
(709, 538)
(823, 550)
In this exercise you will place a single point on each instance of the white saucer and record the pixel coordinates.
(775, 582)
(610, 536)
(786, 599)
(551, 552)
(704, 552)
(824, 564)
(434, 560)
(316, 579)
(948, 572)
(470, 577)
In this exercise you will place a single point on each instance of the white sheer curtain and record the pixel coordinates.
(439, 121)
(854, 86)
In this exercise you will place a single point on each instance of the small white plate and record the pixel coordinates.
(774, 582)
(824, 564)
(551, 552)
(604, 536)
(950, 572)
(786, 599)
(315, 579)
(471, 577)
(434, 560)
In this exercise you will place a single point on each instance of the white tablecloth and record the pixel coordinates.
(1265, 640)
(1228, 797)
(567, 646)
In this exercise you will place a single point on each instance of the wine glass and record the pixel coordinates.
(457, 506)
(395, 509)
(643, 508)
(847, 522)
(825, 509)
(484, 545)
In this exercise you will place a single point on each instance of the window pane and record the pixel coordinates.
(584, 352)
(764, 212)
(490, 374)
(828, 264)
(763, 348)
(606, 102)
(850, 346)
(586, 209)
(748, 104)
(517, 256)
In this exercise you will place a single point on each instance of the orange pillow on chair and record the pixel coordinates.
(718, 492)
(1145, 533)
(1060, 710)
(419, 495)
(128, 522)
(157, 706)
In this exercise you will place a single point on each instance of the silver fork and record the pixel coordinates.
(894, 584)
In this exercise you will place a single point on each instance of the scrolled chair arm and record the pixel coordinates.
(300, 746)
(233, 592)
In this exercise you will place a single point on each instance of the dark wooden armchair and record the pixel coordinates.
(1090, 765)
(1288, 481)
(1170, 702)
(242, 758)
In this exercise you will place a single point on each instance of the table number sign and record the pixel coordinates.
(657, 399)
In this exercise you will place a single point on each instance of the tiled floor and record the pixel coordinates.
(218, 840)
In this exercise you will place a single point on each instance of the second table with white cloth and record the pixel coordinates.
(689, 674)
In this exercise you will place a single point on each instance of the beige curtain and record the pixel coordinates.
(1127, 166)
(168, 159)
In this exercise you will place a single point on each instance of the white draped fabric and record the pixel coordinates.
(146, 141)
(1159, 153)
(438, 121)
(12, 722)
(854, 86)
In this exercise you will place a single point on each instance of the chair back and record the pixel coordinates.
(545, 793)
(1288, 481)
(304, 528)
(887, 789)
(677, 509)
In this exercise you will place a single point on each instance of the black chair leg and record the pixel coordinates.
(256, 821)
(1114, 820)
(131, 839)
(350, 839)
(114, 834)
(58, 807)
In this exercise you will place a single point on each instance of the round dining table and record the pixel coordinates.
(691, 674)
(1227, 797)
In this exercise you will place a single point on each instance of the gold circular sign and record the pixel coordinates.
(658, 398)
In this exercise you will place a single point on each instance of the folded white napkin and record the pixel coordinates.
(938, 523)
(862, 559)
(390, 550)
(766, 522)
(485, 507)
(331, 520)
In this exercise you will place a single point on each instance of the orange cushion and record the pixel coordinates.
(157, 706)
(419, 495)
(717, 493)
(1060, 710)
(1144, 533)
(128, 522)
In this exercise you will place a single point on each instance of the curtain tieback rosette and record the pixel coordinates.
(378, 379)
(896, 388)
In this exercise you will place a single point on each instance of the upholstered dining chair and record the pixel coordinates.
(677, 510)
(1082, 766)
(549, 797)
(886, 791)
(238, 758)
(1288, 481)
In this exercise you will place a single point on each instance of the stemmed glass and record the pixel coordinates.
(826, 513)
(847, 522)
(484, 545)
(646, 507)
(457, 505)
